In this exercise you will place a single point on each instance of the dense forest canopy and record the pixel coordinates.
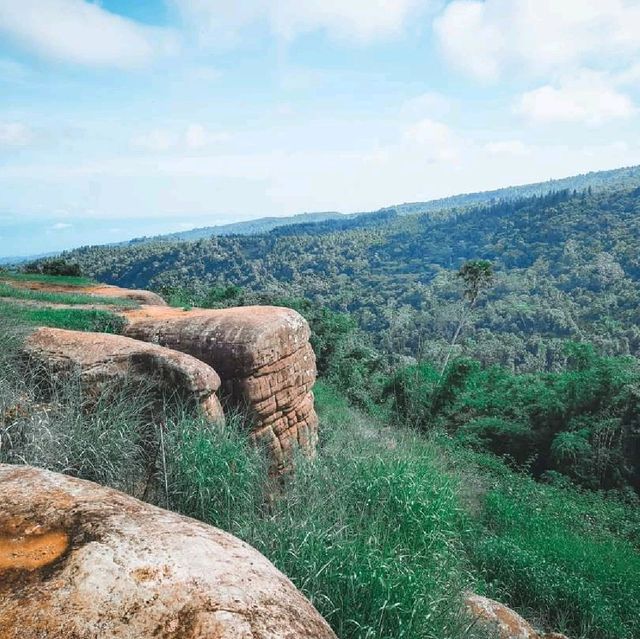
(567, 267)
(530, 360)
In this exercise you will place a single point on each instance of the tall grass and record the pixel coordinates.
(384, 531)
(50, 297)
(66, 280)
(78, 319)
(566, 558)
(369, 531)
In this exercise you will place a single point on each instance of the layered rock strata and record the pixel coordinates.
(265, 361)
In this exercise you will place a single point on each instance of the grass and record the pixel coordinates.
(65, 280)
(49, 297)
(566, 558)
(384, 531)
(78, 319)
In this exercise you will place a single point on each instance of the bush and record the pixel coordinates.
(53, 267)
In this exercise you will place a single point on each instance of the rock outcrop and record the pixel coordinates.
(506, 623)
(99, 361)
(264, 358)
(78, 561)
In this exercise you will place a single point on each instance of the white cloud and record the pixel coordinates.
(80, 32)
(487, 38)
(362, 20)
(15, 134)
(430, 104)
(61, 226)
(435, 140)
(507, 147)
(588, 99)
(156, 140)
(194, 137)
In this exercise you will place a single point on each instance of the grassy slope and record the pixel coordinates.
(72, 299)
(77, 319)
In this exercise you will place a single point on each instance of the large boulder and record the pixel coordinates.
(99, 361)
(501, 620)
(262, 354)
(79, 561)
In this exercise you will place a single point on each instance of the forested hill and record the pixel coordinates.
(568, 267)
(600, 180)
(596, 180)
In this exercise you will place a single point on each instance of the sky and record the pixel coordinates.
(124, 118)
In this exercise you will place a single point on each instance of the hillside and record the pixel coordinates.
(566, 268)
(597, 180)
(419, 514)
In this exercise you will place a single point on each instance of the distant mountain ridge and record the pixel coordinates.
(596, 180)
(248, 227)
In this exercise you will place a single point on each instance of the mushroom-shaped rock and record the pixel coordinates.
(264, 358)
(99, 360)
(503, 621)
(81, 561)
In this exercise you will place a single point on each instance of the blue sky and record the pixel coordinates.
(122, 118)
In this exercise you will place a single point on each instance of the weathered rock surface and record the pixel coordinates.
(100, 360)
(78, 561)
(262, 354)
(502, 620)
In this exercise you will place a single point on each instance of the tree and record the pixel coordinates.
(477, 277)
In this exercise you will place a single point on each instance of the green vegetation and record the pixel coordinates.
(581, 423)
(48, 297)
(412, 521)
(55, 267)
(567, 558)
(64, 280)
(78, 319)
(486, 431)
(566, 268)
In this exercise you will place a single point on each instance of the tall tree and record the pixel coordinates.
(477, 277)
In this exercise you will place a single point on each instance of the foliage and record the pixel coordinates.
(580, 422)
(566, 267)
(48, 297)
(78, 319)
(46, 279)
(56, 266)
(571, 559)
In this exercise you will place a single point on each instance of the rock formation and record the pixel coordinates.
(264, 358)
(100, 361)
(506, 623)
(78, 561)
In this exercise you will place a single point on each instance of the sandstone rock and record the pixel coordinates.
(264, 358)
(495, 616)
(100, 360)
(78, 561)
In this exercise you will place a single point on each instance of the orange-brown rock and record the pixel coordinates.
(262, 354)
(503, 621)
(79, 561)
(100, 360)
